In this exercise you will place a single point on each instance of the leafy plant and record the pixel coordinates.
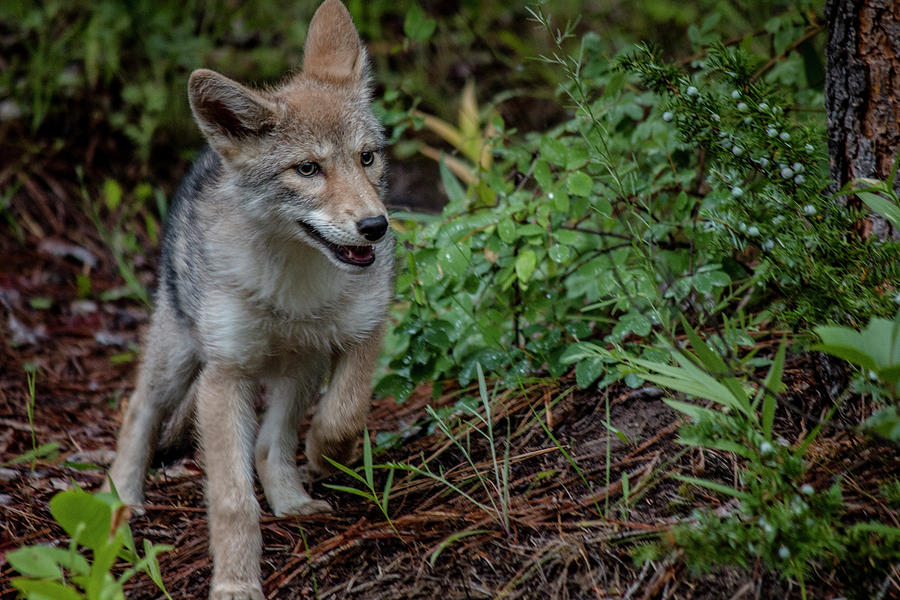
(368, 480)
(99, 523)
(785, 523)
(494, 482)
(876, 350)
(777, 518)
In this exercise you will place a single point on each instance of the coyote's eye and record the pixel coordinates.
(308, 169)
(366, 158)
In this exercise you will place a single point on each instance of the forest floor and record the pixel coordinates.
(565, 532)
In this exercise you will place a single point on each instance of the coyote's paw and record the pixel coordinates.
(130, 496)
(301, 506)
(236, 590)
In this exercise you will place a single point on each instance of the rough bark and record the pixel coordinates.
(862, 91)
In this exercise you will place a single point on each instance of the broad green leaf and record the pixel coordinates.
(579, 184)
(885, 423)
(454, 190)
(567, 236)
(542, 175)
(37, 561)
(883, 207)
(45, 590)
(559, 253)
(713, 362)
(506, 231)
(75, 507)
(554, 151)
(417, 26)
(525, 265)
(588, 370)
(112, 193)
(454, 259)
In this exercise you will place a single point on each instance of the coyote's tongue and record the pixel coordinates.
(358, 254)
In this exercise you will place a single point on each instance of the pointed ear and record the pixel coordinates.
(333, 52)
(225, 110)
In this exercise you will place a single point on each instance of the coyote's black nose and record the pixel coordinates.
(373, 228)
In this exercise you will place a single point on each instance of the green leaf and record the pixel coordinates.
(41, 303)
(112, 194)
(885, 423)
(349, 490)
(75, 509)
(37, 561)
(542, 175)
(453, 188)
(386, 494)
(773, 383)
(559, 253)
(394, 385)
(554, 151)
(450, 539)
(588, 370)
(885, 208)
(580, 184)
(43, 452)
(45, 590)
(454, 259)
(525, 265)
(712, 485)
(506, 231)
(714, 363)
(345, 469)
(692, 410)
(417, 26)
(367, 459)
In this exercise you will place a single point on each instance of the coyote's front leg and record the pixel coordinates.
(226, 422)
(341, 415)
(276, 444)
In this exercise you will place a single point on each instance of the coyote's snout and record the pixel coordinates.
(276, 272)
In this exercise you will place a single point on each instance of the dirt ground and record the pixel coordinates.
(563, 539)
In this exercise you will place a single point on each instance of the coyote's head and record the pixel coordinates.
(305, 159)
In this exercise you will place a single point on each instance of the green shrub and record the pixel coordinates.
(99, 523)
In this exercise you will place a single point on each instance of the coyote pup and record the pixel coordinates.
(277, 272)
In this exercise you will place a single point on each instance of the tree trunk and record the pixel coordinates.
(862, 92)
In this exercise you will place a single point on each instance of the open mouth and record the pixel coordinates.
(358, 256)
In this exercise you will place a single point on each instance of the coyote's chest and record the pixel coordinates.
(277, 316)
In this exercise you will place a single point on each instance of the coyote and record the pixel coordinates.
(276, 272)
